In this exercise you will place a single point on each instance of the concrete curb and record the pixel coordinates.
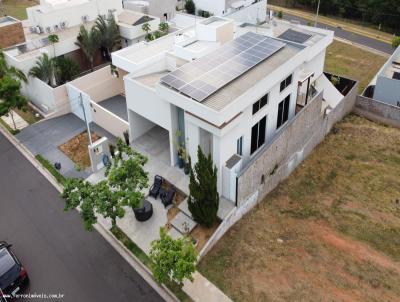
(370, 49)
(133, 261)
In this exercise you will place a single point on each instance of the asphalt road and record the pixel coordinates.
(355, 38)
(59, 255)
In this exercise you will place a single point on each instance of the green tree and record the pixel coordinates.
(203, 199)
(89, 42)
(10, 70)
(123, 187)
(66, 69)
(163, 27)
(53, 39)
(190, 7)
(44, 70)
(11, 97)
(147, 28)
(172, 259)
(110, 39)
(396, 42)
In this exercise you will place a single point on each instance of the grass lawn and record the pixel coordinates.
(16, 8)
(330, 232)
(352, 62)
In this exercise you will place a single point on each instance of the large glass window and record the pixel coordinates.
(286, 82)
(258, 135)
(283, 112)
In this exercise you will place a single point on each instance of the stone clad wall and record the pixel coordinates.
(11, 35)
(377, 111)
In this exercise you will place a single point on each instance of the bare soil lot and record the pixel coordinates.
(330, 232)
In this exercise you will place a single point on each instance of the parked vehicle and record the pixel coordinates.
(13, 276)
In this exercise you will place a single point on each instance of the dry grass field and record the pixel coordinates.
(352, 62)
(330, 232)
(16, 8)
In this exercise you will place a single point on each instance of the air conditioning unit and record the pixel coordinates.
(48, 29)
(229, 173)
(62, 24)
(56, 28)
(85, 18)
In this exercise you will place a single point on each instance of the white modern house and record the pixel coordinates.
(247, 11)
(387, 81)
(163, 9)
(226, 88)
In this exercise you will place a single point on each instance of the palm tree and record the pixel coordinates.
(66, 69)
(10, 70)
(53, 39)
(109, 35)
(89, 41)
(44, 70)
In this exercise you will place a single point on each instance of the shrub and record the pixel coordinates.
(280, 14)
(396, 42)
(204, 199)
(190, 7)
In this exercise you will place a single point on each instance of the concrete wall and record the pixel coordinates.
(108, 120)
(377, 111)
(295, 142)
(100, 84)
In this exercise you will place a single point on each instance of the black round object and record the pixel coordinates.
(57, 165)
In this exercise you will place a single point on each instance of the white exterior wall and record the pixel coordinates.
(44, 16)
(217, 8)
(142, 100)
(136, 32)
(387, 90)
(254, 13)
(155, 8)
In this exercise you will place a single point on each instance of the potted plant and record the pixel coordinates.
(126, 137)
(186, 164)
(181, 150)
(112, 150)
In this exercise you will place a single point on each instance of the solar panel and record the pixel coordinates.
(201, 78)
(294, 36)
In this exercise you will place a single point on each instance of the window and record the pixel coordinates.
(260, 103)
(258, 135)
(286, 82)
(239, 146)
(283, 112)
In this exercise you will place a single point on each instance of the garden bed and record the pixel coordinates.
(77, 149)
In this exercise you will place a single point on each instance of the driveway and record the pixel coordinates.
(46, 136)
(59, 255)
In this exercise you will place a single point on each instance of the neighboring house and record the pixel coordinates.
(247, 11)
(228, 89)
(163, 9)
(130, 26)
(387, 81)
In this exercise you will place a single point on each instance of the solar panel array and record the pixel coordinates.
(294, 36)
(206, 75)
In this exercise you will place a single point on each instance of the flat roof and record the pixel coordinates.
(132, 18)
(243, 83)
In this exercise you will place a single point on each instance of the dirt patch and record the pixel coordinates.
(330, 232)
(77, 149)
(202, 234)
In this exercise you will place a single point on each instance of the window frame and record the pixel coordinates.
(239, 146)
(258, 141)
(283, 116)
(286, 83)
(258, 104)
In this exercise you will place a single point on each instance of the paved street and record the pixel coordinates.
(340, 33)
(60, 256)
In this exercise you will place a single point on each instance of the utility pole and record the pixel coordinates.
(316, 17)
(84, 116)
